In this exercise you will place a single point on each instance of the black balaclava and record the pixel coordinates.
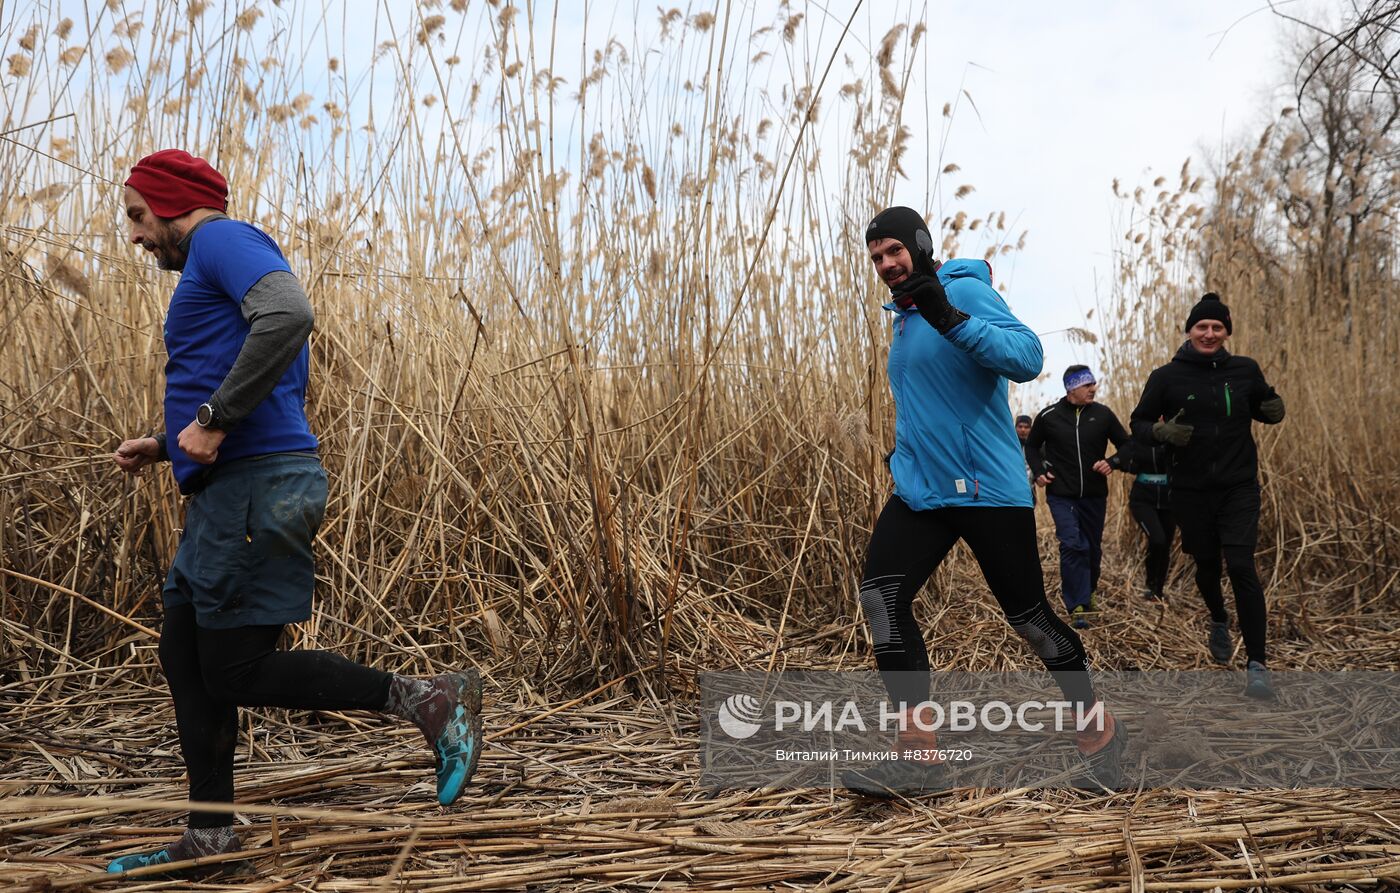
(907, 226)
(1210, 307)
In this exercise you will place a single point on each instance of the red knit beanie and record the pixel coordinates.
(173, 182)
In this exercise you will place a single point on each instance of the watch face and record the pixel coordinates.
(205, 414)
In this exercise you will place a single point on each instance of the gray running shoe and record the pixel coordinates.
(892, 778)
(1106, 765)
(1221, 648)
(1257, 682)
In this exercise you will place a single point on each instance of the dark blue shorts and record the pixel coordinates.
(245, 556)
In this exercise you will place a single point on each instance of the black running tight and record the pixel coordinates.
(905, 549)
(213, 672)
(1218, 524)
(1159, 525)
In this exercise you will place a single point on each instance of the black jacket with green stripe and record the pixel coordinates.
(1219, 396)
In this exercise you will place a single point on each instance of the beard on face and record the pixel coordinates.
(166, 247)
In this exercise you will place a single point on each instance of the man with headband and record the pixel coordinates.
(958, 475)
(1066, 450)
(239, 444)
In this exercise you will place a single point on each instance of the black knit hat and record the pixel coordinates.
(1024, 418)
(1209, 307)
(907, 226)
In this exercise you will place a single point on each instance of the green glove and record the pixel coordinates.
(1173, 432)
(1271, 409)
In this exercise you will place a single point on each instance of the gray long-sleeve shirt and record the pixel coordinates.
(280, 320)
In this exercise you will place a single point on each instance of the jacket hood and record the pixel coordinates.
(1188, 354)
(965, 268)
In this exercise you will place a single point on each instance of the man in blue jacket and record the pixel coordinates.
(958, 474)
(238, 441)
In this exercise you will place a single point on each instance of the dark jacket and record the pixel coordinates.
(1071, 439)
(1219, 396)
(1150, 466)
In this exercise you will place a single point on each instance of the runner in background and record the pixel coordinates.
(1066, 450)
(1023, 430)
(1149, 504)
(1203, 405)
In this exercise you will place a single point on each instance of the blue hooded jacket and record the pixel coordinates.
(955, 441)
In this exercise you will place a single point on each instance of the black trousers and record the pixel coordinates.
(1159, 525)
(1225, 523)
(213, 672)
(906, 547)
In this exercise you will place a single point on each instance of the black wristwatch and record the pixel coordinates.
(207, 417)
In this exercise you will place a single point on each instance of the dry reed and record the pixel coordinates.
(602, 405)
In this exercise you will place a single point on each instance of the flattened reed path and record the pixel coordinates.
(603, 796)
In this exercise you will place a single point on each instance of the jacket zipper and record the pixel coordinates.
(1078, 454)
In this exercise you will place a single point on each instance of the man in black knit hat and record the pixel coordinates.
(1202, 405)
(954, 347)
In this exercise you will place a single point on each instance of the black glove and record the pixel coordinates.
(1173, 432)
(1271, 408)
(931, 300)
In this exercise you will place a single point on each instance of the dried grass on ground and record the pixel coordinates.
(582, 432)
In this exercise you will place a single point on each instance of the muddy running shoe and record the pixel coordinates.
(193, 844)
(1104, 760)
(898, 778)
(447, 710)
(1221, 648)
(1094, 602)
(1257, 682)
(1152, 595)
(1079, 617)
(457, 744)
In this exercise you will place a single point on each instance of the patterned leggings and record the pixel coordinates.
(905, 549)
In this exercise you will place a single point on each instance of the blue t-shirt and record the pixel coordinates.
(205, 330)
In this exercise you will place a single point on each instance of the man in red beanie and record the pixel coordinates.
(241, 449)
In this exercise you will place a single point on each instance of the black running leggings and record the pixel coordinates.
(905, 549)
(1159, 525)
(213, 672)
(1224, 523)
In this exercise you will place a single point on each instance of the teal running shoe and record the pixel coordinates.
(193, 844)
(457, 745)
(140, 860)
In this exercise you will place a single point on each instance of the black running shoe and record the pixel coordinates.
(1221, 648)
(898, 778)
(1257, 682)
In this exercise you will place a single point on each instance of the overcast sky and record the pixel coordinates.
(1074, 94)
